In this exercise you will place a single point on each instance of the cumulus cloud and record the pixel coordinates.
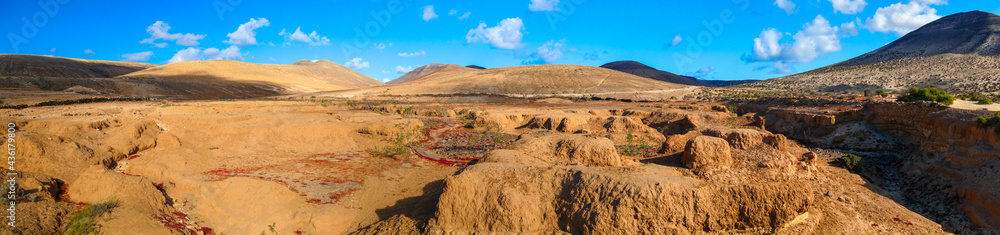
(786, 5)
(815, 39)
(194, 54)
(902, 18)
(356, 64)
(465, 16)
(245, 35)
(506, 35)
(136, 57)
(677, 40)
(159, 30)
(548, 53)
(702, 72)
(849, 7)
(313, 39)
(850, 28)
(544, 5)
(413, 54)
(429, 13)
(89, 52)
(401, 69)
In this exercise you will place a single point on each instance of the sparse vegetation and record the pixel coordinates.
(633, 147)
(83, 221)
(990, 121)
(985, 100)
(406, 137)
(881, 93)
(469, 120)
(929, 94)
(270, 227)
(849, 161)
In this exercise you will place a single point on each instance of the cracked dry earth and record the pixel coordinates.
(236, 167)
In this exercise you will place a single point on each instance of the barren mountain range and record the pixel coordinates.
(959, 52)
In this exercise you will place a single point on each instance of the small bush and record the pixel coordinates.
(406, 138)
(985, 101)
(849, 161)
(881, 93)
(633, 149)
(988, 121)
(83, 221)
(929, 94)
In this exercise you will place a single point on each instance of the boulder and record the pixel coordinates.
(706, 152)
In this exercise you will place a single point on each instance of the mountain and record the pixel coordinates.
(536, 80)
(33, 66)
(415, 73)
(725, 83)
(959, 53)
(642, 70)
(475, 67)
(235, 79)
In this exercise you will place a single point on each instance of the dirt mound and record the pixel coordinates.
(415, 73)
(224, 78)
(33, 66)
(706, 153)
(506, 194)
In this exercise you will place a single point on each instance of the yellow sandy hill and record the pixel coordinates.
(523, 80)
(225, 78)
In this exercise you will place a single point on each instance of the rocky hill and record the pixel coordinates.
(33, 66)
(642, 70)
(415, 73)
(960, 53)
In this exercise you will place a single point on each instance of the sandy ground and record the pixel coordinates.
(973, 105)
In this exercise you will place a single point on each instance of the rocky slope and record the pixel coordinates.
(958, 52)
(936, 159)
(32, 66)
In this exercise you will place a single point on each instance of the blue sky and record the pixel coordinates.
(711, 39)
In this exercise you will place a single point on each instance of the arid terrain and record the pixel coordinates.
(314, 147)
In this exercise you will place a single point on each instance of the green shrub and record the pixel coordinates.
(985, 100)
(82, 222)
(406, 138)
(988, 121)
(929, 94)
(633, 149)
(849, 161)
(881, 92)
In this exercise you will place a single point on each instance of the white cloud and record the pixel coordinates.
(356, 64)
(849, 7)
(782, 68)
(313, 39)
(429, 13)
(159, 30)
(548, 53)
(245, 35)
(136, 57)
(850, 28)
(702, 72)
(817, 38)
(452, 12)
(401, 69)
(189, 54)
(89, 52)
(786, 5)
(544, 5)
(53, 50)
(902, 18)
(465, 16)
(194, 54)
(506, 35)
(677, 40)
(413, 54)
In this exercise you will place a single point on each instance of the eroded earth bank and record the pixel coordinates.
(555, 166)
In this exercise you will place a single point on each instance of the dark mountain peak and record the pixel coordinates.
(973, 32)
(642, 70)
(626, 64)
